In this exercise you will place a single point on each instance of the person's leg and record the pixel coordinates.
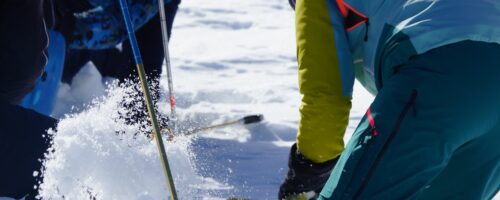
(150, 42)
(429, 108)
(473, 171)
(149, 38)
(170, 12)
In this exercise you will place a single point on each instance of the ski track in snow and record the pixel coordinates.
(230, 59)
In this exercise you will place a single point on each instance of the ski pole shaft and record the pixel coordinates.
(149, 101)
(166, 51)
(210, 127)
(250, 119)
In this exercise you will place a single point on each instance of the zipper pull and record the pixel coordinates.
(371, 121)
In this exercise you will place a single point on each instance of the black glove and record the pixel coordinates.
(304, 175)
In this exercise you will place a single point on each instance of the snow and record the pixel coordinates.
(230, 59)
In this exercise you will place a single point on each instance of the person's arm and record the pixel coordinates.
(326, 79)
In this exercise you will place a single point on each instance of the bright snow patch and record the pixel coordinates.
(96, 153)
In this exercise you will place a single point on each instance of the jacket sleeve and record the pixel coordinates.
(103, 27)
(326, 79)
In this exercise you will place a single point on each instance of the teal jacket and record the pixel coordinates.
(411, 27)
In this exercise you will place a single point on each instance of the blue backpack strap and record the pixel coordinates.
(42, 98)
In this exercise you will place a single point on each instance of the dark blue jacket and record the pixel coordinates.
(23, 142)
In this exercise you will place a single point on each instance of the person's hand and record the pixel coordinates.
(305, 179)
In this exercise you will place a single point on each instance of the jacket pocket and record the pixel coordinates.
(363, 154)
(409, 106)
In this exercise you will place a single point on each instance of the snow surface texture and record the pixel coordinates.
(230, 59)
(97, 154)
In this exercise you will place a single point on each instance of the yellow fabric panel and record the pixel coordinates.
(324, 109)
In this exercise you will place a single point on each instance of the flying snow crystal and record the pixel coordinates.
(102, 153)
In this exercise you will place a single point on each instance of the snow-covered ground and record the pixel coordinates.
(230, 59)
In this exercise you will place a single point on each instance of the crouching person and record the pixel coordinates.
(432, 131)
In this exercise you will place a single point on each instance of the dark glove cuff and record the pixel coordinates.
(305, 167)
(305, 175)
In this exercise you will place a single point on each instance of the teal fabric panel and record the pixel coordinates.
(426, 115)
